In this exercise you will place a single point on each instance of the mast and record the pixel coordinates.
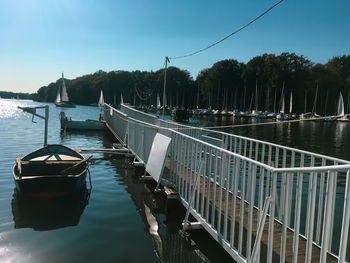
(251, 102)
(245, 90)
(282, 99)
(164, 102)
(325, 107)
(305, 101)
(267, 107)
(291, 102)
(274, 101)
(256, 95)
(315, 101)
(197, 97)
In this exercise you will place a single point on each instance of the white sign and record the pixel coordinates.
(157, 156)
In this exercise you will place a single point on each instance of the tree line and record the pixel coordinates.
(17, 95)
(258, 84)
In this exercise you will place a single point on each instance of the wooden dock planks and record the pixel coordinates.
(221, 192)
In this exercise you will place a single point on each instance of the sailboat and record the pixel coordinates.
(305, 115)
(313, 113)
(158, 102)
(101, 100)
(62, 99)
(281, 115)
(341, 112)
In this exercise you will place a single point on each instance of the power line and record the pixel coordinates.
(226, 37)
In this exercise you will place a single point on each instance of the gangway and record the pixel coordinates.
(262, 202)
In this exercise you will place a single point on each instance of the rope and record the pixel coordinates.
(254, 124)
(231, 34)
(139, 95)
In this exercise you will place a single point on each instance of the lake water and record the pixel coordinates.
(119, 221)
(329, 138)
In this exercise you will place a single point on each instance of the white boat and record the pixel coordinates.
(341, 110)
(281, 116)
(101, 100)
(313, 113)
(158, 102)
(62, 99)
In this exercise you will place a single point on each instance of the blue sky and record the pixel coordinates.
(41, 38)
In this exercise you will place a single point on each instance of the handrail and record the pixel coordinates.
(342, 167)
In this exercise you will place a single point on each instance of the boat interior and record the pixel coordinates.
(47, 168)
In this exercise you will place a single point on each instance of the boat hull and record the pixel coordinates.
(90, 125)
(87, 125)
(65, 104)
(50, 186)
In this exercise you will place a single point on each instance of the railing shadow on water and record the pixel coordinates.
(162, 220)
(42, 214)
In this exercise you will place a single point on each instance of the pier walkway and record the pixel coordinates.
(260, 201)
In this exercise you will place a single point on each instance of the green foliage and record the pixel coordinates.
(227, 84)
(11, 95)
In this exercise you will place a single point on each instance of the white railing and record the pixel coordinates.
(303, 197)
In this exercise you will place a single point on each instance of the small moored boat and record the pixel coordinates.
(53, 170)
(86, 125)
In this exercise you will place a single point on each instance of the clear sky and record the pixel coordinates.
(41, 38)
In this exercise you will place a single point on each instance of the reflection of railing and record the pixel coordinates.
(258, 200)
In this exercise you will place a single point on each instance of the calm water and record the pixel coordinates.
(329, 138)
(121, 222)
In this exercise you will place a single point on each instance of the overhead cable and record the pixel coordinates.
(231, 34)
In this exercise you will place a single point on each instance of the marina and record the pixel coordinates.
(171, 132)
(120, 148)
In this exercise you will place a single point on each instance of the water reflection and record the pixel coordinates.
(162, 221)
(48, 213)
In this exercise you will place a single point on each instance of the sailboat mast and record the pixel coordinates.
(267, 106)
(197, 97)
(315, 102)
(291, 102)
(305, 101)
(325, 107)
(274, 101)
(256, 94)
(245, 90)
